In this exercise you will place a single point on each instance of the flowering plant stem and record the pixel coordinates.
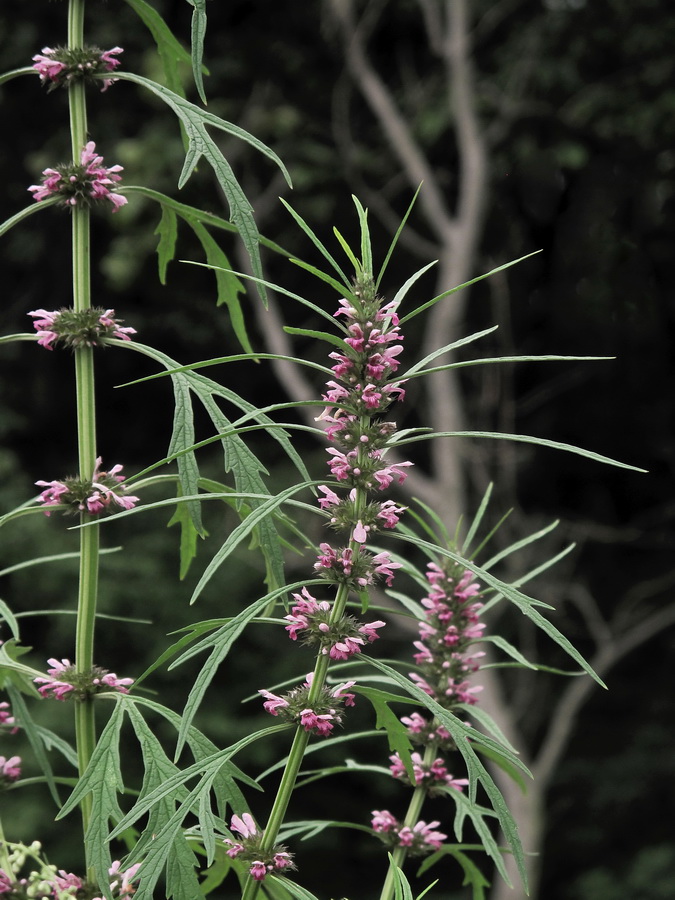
(85, 732)
(412, 816)
(300, 741)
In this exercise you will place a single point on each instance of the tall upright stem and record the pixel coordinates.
(85, 730)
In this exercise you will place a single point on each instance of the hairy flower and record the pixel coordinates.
(10, 769)
(7, 720)
(60, 66)
(104, 492)
(419, 840)
(65, 681)
(90, 327)
(429, 776)
(321, 716)
(83, 183)
(249, 850)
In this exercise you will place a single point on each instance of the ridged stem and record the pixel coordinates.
(411, 819)
(85, 729)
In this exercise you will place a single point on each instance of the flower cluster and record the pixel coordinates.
(46, 882)
(102, 493)
(445, 656)
(419, 839)
(10, 769)
(83, 183)
(65, 681)
(318, 717)
(450, 628)
(248, 848)
(430, 775)
(357, 398)
(310, 618)
(90, 327)
(7, 720)
(60, 66)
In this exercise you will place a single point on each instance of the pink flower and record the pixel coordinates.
(7, 720)
(273, 703)
(384, 566)
(53, 494)
(368, 630)
(57, 686)
(385, 476)
(66, 881)
(244, 825)
(81, 184)
(46, 66)
(321, 723)
(331, 498)
(383, 821)
(107, 320)
(10, 769)
(110, 680)
(123, 888)
(390, 513)
(360, 534)
(258, 870)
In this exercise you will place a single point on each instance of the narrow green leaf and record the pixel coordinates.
(526, 439)
(473, 876)
(229, 286)
(475, 769)
(315, 240)
(316, 335)
(194, 121)
(182, 438)
(257, 516)
(477, 519)
(366, 249)
(392, 246)
(198, 32)
(466, 284)
(419, 366)
(9, 617)
(508, 648)
(295, 890)
(349, 253)
(188, 536)
(220, 644)
(171, 52)
(167, 230)
(15, 73)
(341, 289)
(28, 211)
(403, 290)
(387, 720)
(524, 603)
(181, 878)
(37, 738)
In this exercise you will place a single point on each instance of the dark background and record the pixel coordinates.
(584, 172)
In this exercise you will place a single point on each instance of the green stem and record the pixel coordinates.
(301, 738)
(412, 817)
(85, 729)
(5, 864)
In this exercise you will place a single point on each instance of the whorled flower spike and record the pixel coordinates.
(60, 66)
(419, 840)
(91, 327)
(81, 184)
(103, 493)
(65, 681)
(248, 849)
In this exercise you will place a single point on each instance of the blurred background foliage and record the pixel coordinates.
(579, 101)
